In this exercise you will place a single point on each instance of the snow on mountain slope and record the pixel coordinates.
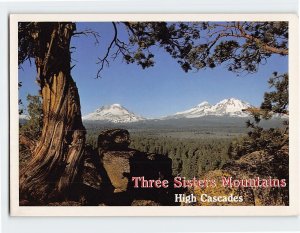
(227, 107)
(24, 117)
(231, 107)
(199, 110)
(113, 113)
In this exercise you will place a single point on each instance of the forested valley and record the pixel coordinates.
(196, 146)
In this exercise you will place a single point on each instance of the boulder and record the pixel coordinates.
(260, 164)
(121, 163)
(151, 166)
(118, 167)
(95, 186)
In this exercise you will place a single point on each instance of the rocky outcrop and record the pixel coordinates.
(108, 171)
(94, 185)
(260, 164)
(118, 167)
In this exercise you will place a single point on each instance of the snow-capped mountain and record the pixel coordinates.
(227, 107)
(24, 117)
(113, 113)
(200, 110)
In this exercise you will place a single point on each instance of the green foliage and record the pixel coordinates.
(269, 140)
(277, 101)
(258, 139)
(33, 127)
(190, 157)
(242, 45)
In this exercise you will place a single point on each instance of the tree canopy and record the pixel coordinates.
(241, 46)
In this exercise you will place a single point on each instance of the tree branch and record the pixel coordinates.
(88, 32)
(104, 60)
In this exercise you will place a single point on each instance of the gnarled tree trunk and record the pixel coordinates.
(55, 162)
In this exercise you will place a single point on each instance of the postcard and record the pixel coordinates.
(154, 115)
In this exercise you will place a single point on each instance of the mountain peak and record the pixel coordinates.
(231, 107)
(204, 103)
(115, 113)
(116, 105)
(227, 107)
(230, 100)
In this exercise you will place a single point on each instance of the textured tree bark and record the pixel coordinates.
(54, 165)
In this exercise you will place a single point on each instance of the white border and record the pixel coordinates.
(293, 209)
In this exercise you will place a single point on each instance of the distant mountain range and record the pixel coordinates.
(228, 107)
(116, 113)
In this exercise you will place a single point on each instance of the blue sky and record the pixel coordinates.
(157, 91)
